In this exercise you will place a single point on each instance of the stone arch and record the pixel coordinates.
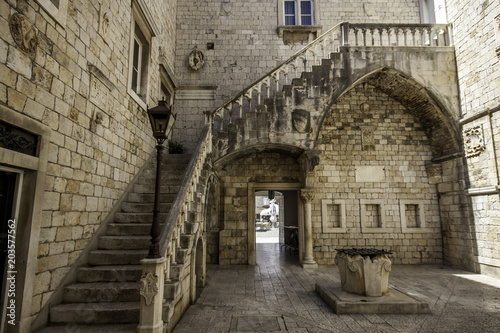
(420, 102)
(292, 151)
(211, 222)
(258, 164)
(198, 267)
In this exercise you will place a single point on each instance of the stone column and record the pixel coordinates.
(307, 195)
(152, 281)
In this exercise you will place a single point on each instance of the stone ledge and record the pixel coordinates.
(299, 29)
(394, 302)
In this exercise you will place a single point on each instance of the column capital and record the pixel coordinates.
(307, 194)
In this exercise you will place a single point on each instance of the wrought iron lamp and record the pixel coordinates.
(162, 119)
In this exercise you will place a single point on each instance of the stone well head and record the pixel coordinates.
(364, 271)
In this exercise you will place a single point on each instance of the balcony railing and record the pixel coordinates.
(419, 35)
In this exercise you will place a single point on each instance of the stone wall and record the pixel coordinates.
(75, 82)
(254, 168)
(477, 41)
(241, 43)
(374, 153)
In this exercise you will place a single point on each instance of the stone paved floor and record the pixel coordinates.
(278, 295)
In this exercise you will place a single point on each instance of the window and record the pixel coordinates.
(167, 84)
(298, 12)
(143, 30)
(56, 8)
(140, 57)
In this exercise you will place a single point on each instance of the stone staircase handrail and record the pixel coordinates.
(183, 199)
(379, 34)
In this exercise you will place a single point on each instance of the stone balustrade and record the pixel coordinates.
(182, 206)
(418, 35)
(180, 221)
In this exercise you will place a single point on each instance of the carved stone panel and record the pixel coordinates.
(474, 141)
(149, 287)
(24, 33)
(368, 137)
(104, 22)
(196, 59)
(301, 121)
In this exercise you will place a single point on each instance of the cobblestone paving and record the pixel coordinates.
(278, 295)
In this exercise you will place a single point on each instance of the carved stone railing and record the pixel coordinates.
(175, 224)
(273, 81)
(156, 272)
(365, 34)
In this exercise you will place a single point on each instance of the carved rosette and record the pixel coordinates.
(474, 141)
(307, 195)
(24, 33)
(149, 287)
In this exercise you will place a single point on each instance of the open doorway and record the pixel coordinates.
(276, 226)
(269, 217)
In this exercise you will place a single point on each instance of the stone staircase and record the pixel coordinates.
(282, 107)
(106, 297)
(274, 114)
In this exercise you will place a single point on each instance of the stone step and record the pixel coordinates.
(190, 228)
(181, 256)
(176, 272)
(164, 188)
(172, 290)
(124, 242)
(96, 313)
(186, 241)
(170, 178)
(150, 169)
(149, 197)
(138, 217)
(124, 328)
(96, 292)
(130, 229)
(116, 257)
(124, 273)
(133, 207)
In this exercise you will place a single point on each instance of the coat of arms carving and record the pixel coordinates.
(24, 33)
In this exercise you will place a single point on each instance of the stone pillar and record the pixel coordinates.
(152, 285)
(307, 195)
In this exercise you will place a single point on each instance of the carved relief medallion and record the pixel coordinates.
(104, 22)
(149, 287)
(196, 59)
(474, 141)
(24, 33)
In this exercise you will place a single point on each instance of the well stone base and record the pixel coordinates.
(393, 302)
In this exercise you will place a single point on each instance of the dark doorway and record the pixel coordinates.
(8, 182)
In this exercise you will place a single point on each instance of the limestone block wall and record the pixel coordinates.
(240, 41)
(374, 158)
(254, 168)
(75, 82)
(477, 43)
(476, 37)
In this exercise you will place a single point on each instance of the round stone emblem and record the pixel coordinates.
(196, 59)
